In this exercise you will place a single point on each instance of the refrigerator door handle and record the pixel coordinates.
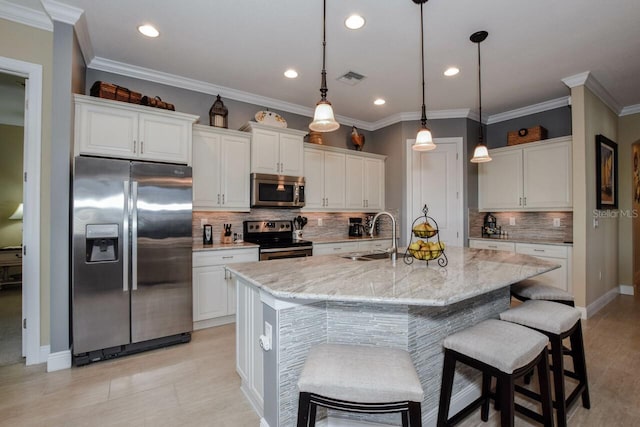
(125, 240)
(134, 236)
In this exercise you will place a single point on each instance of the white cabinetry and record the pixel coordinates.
(352, 246)
(558, 254)
(528, 177)
(221, 160)
(122, 130)
(324, 179)
(214, 294)
(364, 183)
(275, 151)
(338, 180)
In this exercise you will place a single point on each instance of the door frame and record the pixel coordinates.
(410, 216)
(31, 199)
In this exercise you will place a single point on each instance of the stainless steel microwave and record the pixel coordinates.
(277, 191)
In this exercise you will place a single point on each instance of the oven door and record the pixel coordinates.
(280, 253)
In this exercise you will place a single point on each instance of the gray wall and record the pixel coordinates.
(556, 121)
(188, 101)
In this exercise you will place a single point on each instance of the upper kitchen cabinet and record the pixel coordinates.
(364, 183)
(529, 177)
(121, 130)
(221, 160)
(324, 179)
(274, 150)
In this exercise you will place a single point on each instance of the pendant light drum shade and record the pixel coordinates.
(323, 119)
(424, 139)
(481, 152)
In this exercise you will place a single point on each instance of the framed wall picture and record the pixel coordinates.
(606, 173)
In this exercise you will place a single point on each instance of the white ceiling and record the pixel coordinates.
(247, 45)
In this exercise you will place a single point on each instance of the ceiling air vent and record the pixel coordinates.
(351, 78)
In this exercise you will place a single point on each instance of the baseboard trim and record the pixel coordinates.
(627, 290)
(44, 353)
(263, 423)
(211, 323)
(598, 304)
(59, 361)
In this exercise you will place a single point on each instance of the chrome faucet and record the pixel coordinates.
(394, 248)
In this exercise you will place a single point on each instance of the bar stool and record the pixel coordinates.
(534, 289)
(498, 349)
(357, 378)
(556, 321)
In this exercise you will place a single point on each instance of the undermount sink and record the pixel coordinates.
(367, 256)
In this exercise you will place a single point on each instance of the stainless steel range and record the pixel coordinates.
(276, 240)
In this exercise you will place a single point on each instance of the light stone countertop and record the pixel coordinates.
(223, 246)
(533, 241)
(470, 272)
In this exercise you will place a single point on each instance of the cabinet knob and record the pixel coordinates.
(134, 146)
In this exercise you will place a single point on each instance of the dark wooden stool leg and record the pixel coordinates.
(545, 389)
(448, 371)
(312, 414)
(579, 363)
(303, 409)
(496, 402)
(486, 390)
(405, 418)
(415, 414)
(507, 404)
(558, 380)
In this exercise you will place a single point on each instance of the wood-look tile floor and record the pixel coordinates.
(196, 384)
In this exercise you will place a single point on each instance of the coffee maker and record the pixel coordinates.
(355, 227)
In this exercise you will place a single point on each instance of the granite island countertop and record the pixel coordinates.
(469, 273)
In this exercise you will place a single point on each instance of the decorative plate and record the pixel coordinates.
(270, 118)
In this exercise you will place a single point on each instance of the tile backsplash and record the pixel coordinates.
(334, 225)
(528, 225)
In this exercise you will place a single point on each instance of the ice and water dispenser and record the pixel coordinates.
(102, 242)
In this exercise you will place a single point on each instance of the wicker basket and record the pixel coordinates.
(524, 135)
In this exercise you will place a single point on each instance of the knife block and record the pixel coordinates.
(226, 239)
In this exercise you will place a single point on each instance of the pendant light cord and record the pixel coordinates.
(323, 86)
(481, 136)
(423, 119)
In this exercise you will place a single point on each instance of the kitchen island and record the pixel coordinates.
(336, 299)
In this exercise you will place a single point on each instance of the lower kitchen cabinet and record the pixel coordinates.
(560, 278)
(353, 246)
(214, 293)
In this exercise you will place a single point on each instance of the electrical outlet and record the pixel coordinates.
(556, 222)
(266, 339)
(512, 220)
(320, 222)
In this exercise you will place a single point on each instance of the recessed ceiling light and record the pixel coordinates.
(379, 101)
(451, 71)
(354, 22)
(291, 73)
(148, 30)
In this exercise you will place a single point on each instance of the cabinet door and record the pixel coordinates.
(291, 155)
(231, 293)
(373, 184)
(107, 131)
(548, 176)
(495, 246)
(354, 182)
(374, 245)
(334, 175)
(235, 160)
(314, 178)
(206, 170)
(265, 147)
(209, 293)
(500, 181)
(334, 248)
(164, 139)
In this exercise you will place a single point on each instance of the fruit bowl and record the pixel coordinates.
(426, 254)
(424, 233)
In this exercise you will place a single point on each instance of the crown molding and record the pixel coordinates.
(25, 15)
(630, 109)
(586, 79)
(62, 12)
(528, 110)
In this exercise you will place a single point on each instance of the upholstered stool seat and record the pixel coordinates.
(359, 378)
(501, 349)
(557, 322)
(536, 290)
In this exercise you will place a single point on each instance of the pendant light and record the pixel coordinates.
(323, 120)
(424, 140)
(481, 153)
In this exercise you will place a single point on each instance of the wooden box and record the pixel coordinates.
(524, 135)
(157, 103)
(117, 93)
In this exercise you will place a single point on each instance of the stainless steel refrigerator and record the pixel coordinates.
(131, 257)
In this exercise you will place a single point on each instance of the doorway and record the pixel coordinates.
(31, 74)
(434, 178)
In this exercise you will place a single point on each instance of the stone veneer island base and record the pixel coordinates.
(338, 300)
